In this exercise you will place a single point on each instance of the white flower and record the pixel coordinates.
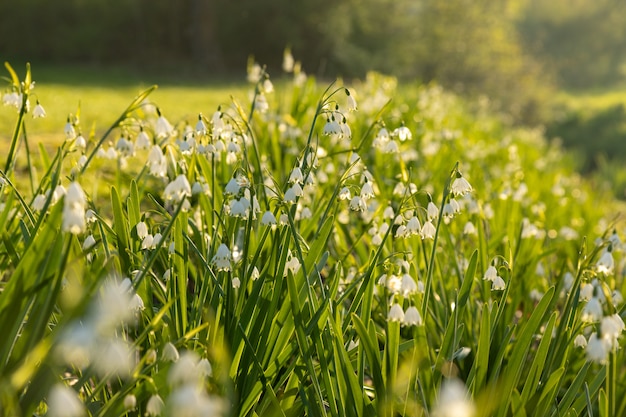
(296, 176)
(130, 402)
(64, 402)
(413, 226)
(290, 195)
(89, 242)
(142, 141)
(177, 189)
(157, 162)
(142, 230)
(332, 128)
(454, 400)
(191, 401)
(358, 204)
(162, 128)
(606, 263)
(204, 367)
(580, 341)
(597, 349)
(185, 370)
(268, 219)
(491, 273)
(498, 284)
(469, 229)
(38, 111)
(70, 132)
(288, 61)
(74, 209)
(367, 190)
(351, 101)
(592, 311)
(170, 353)
(460, 186)
(409, 286)
(611, 328)
(39, 202)
(113, 357)
(236, 283)
(412, 317)
(344, 194)
(222, 258)
(428, 230)
(155, 406)
(586, 292)
(395, 313)
(292, 264)
(403, 133)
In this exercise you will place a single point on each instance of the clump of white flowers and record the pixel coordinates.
(74, 207)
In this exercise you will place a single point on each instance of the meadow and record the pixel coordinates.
(298, 248)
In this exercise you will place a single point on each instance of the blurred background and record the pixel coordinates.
(560, 64)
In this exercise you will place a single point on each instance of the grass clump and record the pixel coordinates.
(347, 251)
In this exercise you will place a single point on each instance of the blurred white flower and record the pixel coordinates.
(605, 264)
(38, 111)
(185, 370)
(155, 406)
(597, 349)
(395, 313)
(454, 400)
(580, 341)
(412, 317)
(170, 353)
(64, 402)
(74, 209)
(222, 258)
(178, 189)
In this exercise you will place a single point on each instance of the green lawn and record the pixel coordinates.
(103, 94)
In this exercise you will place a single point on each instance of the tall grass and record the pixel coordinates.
(300, 253)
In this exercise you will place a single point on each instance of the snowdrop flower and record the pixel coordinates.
(261, 104)
(597, 349)
(178, 189)
(428, 230)
(290, 195)
(412, 317)
(204, 368)
(74, 209)
(433, 211)
(351, 101)
(142, 230)
(200, 126)
(114, 357)
(344, 194)
(367, 190)
(268, 219)
(460, 186)
(39, 202)
(148, 242)
(606, 264)
(586, 292)
(142, 141)
(170, 353)
(288, 61)
(236, 283)
(592, 311)
(358, 204)
(580, 341)
(162, 128)
(454, 400)
(64, 402)
(491, 273)
(38, 111)
(157, 162)
(70, 132)
(395, 313)
(611, 328)
(469, 229)
(409, 286)
(403, 133)
(192, 401)
(413, 226)
(332, 128)
(498, 284)
(130, 402)
(185, 370)
(296, 176)
(155, 406)
(292, 265)
(222, 258)
(89, 242)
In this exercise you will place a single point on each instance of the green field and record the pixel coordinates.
(319, 249)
